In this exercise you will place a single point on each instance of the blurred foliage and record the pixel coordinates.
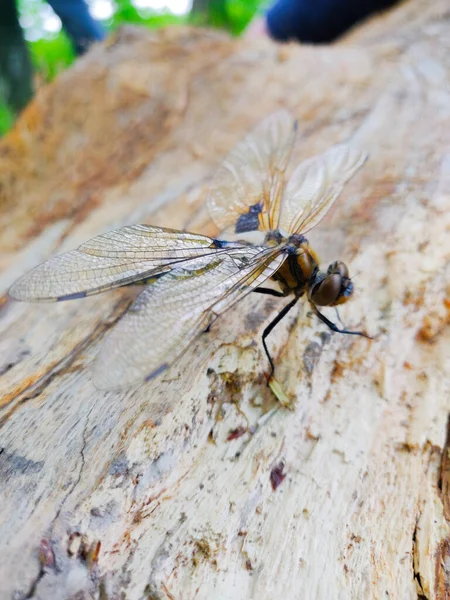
(51, 55)
(240, 13)
(52, 52)
(6, 118)
(126, 12)
(232, 15)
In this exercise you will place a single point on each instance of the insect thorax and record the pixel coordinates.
(300, 266)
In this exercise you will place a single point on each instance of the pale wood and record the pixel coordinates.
(133, 133)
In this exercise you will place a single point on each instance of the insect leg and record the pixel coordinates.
(335, 328)
(270, 327)
(269, 291)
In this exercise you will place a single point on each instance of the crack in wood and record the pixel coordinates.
(416, 571)
(42, 570)
(443, 483)
(442, 584)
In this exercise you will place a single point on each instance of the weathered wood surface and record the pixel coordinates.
(133, 133)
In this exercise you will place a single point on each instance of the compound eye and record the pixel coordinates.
(327, 292)
(340, 268)
(345, 292)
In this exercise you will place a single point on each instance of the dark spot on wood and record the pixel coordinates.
(277, 475)
(325, 337)
(13, 464)
(202, 546)
(8, 366)
(311, 356)
(236, 433)
(119, 467)
(254, 320)
(46, 555)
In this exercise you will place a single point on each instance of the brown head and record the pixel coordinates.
(331, 288)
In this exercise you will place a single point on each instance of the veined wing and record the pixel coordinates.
(247, 189)
(113, 259)
(315, 185)
(171, 312)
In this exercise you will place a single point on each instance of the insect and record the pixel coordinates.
(191, 279)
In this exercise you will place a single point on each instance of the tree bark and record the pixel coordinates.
(210, 12)
(199, 485)
(16, 73)
(200, 6)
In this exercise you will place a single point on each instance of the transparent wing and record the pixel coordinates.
(166, 317)
(247, 188)
(111, 260)
(315, 185)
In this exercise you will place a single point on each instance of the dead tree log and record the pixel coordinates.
(155, 493)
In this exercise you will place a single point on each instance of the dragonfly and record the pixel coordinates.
(191, 279)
